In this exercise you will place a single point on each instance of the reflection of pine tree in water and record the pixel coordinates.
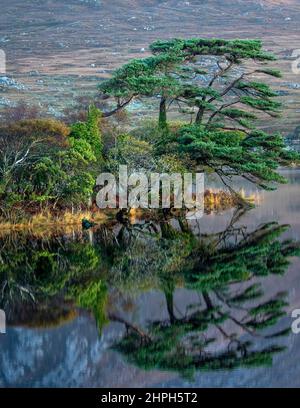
(42, 281)
(234, 319)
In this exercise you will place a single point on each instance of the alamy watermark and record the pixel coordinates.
(296, 62)
(2, 322)
(154, 191)
(296, 323)
(2, 62)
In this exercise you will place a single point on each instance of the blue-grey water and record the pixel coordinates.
(71, 350)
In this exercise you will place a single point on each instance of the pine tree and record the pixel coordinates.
(224, 102)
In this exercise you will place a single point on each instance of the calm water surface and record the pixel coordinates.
(156, 304)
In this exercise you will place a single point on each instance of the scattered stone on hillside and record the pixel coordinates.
(4, 39)
(6, 83)
(135, 106)
(6, 102)
(92, 2)
(291, 85)
(282, 93)
(34, 73)
(294, 136)
(54, 112)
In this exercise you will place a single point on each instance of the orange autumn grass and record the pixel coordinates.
(214, 201)
(45, 219)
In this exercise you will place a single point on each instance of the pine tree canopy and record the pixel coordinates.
(222, 86)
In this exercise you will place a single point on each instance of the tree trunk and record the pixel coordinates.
(207, 300)
(199, 116)
(170, 305)
(162, 121)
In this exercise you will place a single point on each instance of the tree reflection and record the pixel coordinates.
(45, 281)
(234, 314)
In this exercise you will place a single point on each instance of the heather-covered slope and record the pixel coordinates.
(59, 48)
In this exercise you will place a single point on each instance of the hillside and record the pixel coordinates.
(60, 48)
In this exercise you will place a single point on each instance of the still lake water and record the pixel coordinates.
(156, 304)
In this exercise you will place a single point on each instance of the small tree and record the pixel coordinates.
(89, 133)
(42, 163)
(23, 142)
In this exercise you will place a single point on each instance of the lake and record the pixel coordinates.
(161, 303)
